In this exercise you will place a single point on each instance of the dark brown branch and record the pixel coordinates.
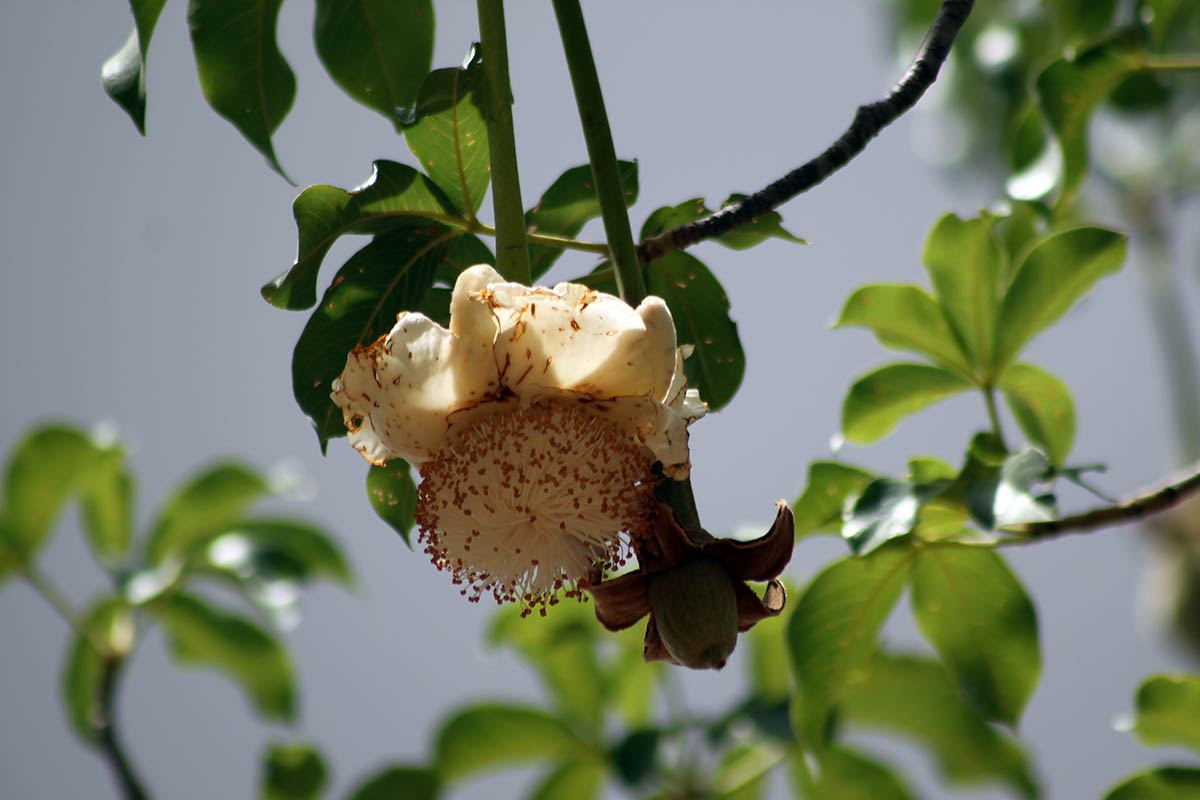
(869, 120)
(106, 732)
(1142, 505)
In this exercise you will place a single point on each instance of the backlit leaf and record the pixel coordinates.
(207, 505)
(398, 783)
(199, 635)
(880, 399)
(975, 613)
(1168, 711)
(1164, 783)
(391, 197)
(378, 52)
(494, 736)
(742, 772)
(242, 73)
(582, 779)
(849, 775)
(907, 318)
(1058, 271)
(274, 549)
(123, 75)
(819, 509)
(393, 495)
(292, 772)
(1043, 407)
(833, 630)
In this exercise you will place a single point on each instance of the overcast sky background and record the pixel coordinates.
(131, 275)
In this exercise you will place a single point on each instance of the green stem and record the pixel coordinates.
(1171, 63)
(601, 152)
(512, 252)
(546, 239)
(106, 732)
(49, 592)
(989, 396)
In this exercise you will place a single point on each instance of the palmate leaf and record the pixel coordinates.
(447, 131)
(758, 230)
(906, 317)
(393, 495)
(399, 783)
(819, 509)
(913, 697)
(242, 73)
(1043, 407)
(880, 399)
(292, 771)
(391, 198)
(487, 737)
(378, 52)
(977, 616)
(1164, 783)
(1052, 277)
(567, 206)
(209, 504)
(833, 631)
(123, 75)
(1168, 711)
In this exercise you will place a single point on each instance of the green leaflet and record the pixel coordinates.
(292, 771)
(1168, 711)
(1043, 407)
(123, 75)
(487, 737)
(567, 206)
(880, 399)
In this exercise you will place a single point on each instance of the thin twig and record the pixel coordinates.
(869, 120)
(1141, 505)
(106, 733)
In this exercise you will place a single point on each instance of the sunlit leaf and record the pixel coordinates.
(758, 230)
(566, 206)
(393, 495)
(387, 277)
(200, 635)
(887, 509)
(1069, 90)
(269, 549)
(1168, 711)
(880, 399)
(391, 197)
(447, 132)
(1055, 274)
(487, 737)
(914, 697)
(907, 318)
(123, 75)
(850, 775)
(207, 505)
(242, 73)
(292, 772)
(977, 616)
(1164, 783)
(1043, 407)
(582, 779)
(109, 625)
(377, 52)
(700, 308)
(819, 509)
(966, 265)
(833, 630)
(398, 783)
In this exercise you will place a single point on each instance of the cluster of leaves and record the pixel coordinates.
(201, 536)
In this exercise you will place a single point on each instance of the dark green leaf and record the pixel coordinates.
(1168, 711)
(635, 756)
(907, 318)
(880, 399)
(378, 52)
(1164, 783)
(46, 467)
(700, 308)
(393, 495)
(242, 73)
(1042, 406)
(292, 772)
(1076, 20)
(998, 489)
(1058, 271)
(109, 625)
(819, 509)
(913, 697)
(886, 510)
(758, 230)
(566, 206)
(975, 613)
(833, 630)
(493, 736)
(206, 506)
(398, 783)
(1069, 90)
(200, 635)
(966, 265)
(123, 76)
(107, 495)
(582, 779)
(1165, 18)
(271, 549)
(447, 132)
(382, 280)
(391, 197)
(848, 775)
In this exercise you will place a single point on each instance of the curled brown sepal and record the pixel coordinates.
(695, 595)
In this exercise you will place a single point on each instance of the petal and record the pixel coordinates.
(396, 394)
(621, 601)
(763, 558)
(751, 609)
(653, 649)
(575, 338)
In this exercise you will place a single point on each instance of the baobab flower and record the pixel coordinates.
(535, 421)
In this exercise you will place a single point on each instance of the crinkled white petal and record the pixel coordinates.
(577, 339)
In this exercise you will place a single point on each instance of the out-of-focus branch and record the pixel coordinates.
(869, 120)
(107, 739)
(1137, 507)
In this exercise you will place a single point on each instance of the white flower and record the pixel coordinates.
(534, 422)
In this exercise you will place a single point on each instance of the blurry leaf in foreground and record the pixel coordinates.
(1168, 711)
(292, 772)
(579, 779)
(849, 775)
(204, 507)
(110, 625)
(487, 737)
(398, 783)
(1164, 783)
